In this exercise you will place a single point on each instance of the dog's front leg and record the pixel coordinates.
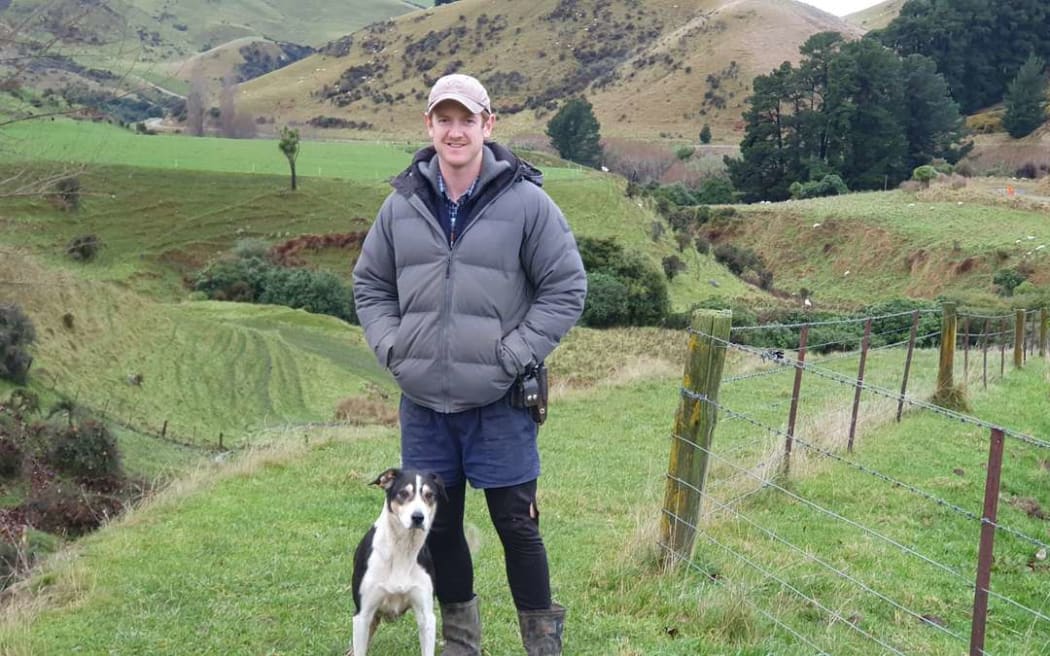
(364, 626)
(423, 607)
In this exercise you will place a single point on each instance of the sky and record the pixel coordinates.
(842, 7)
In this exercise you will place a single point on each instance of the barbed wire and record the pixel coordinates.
(810, 556)
(771, 483)
(721, 581)
(867, 470)
(770, 575)
(880, 391)
(831, 322)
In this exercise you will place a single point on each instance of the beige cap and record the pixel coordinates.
(464, 89)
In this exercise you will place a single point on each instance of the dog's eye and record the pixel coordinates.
(428, 496)
(403, 495)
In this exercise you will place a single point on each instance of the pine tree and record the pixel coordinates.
(574, 131)
(1026, 99)
(705, 134)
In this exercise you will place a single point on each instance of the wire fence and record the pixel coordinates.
(847, 509)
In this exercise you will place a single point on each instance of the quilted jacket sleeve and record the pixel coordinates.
(375, 285)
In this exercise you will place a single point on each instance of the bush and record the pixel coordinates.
(646, 287)
(86, 449)
(1007, 280)
(705, 134)
(606, 303)
(319, 292)
(10, 457)
(234, 279)
(68, 510)
(684, 152)
(673, 265)
(84, 248)
(716, 191)
(924, 175)
(67, 193)
(829, 185)
(16, 335)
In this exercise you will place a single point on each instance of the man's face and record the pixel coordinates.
(458, 134)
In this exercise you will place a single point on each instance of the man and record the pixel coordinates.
(467, 280)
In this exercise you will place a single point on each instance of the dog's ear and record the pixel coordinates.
(439, 486)
(387, 478)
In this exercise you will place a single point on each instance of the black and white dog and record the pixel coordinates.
(392, 567)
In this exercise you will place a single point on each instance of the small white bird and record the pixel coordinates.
(816, 225)
(807, 303)
(847, 272)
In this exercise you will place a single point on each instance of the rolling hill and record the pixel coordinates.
(652, 68)
(876, 17)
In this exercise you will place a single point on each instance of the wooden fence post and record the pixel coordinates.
(987, 542)
(1019, 322)
(948, 394)
(907, 363)
(1002, 348)
(984, 349)
(796, 392)
(1043, 316)
(860, 384)
(693, 431)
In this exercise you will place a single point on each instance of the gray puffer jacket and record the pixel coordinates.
(455, 325)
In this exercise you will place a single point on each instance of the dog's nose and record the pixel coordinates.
(417, 518)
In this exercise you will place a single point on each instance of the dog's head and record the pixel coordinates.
(412, 496)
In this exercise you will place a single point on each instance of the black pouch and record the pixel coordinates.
(530, 391)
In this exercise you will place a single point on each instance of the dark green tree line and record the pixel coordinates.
(977, 45)
(1026, 99)
(852, 109)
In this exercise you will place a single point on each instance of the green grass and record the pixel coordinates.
(207, 367)
(257, 559)
(159, 225)
(860, 248)
(84, 142)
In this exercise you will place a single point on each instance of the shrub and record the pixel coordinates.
(924, 175)
(16, 335)
(673, 265)
(251, 247)
(86, 449)
(829, 185)
(705, 134)
(67, 193)
(84, 248)
(645, 285)
(684, 152)
(68, 510)
(606, 303)
(1007, 280)
(233, 279)
(703, 246)
(716, 190)
(319, 292)
(10, 457)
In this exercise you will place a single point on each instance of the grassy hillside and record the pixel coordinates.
(161, 220)
(160, 30)
(876, 17)
(876, 245)
(657, 68)
(205, 367)
(266, 543)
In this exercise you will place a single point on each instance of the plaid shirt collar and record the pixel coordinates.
(466, 194)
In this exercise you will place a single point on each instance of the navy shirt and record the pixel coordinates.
(454, 216)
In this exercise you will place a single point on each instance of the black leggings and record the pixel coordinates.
(516, 518)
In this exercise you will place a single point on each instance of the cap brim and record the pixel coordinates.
(471, 106)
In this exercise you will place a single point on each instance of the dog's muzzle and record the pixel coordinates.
(417, 519)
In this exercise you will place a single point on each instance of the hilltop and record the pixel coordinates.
(876, 17)
(651, 68)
